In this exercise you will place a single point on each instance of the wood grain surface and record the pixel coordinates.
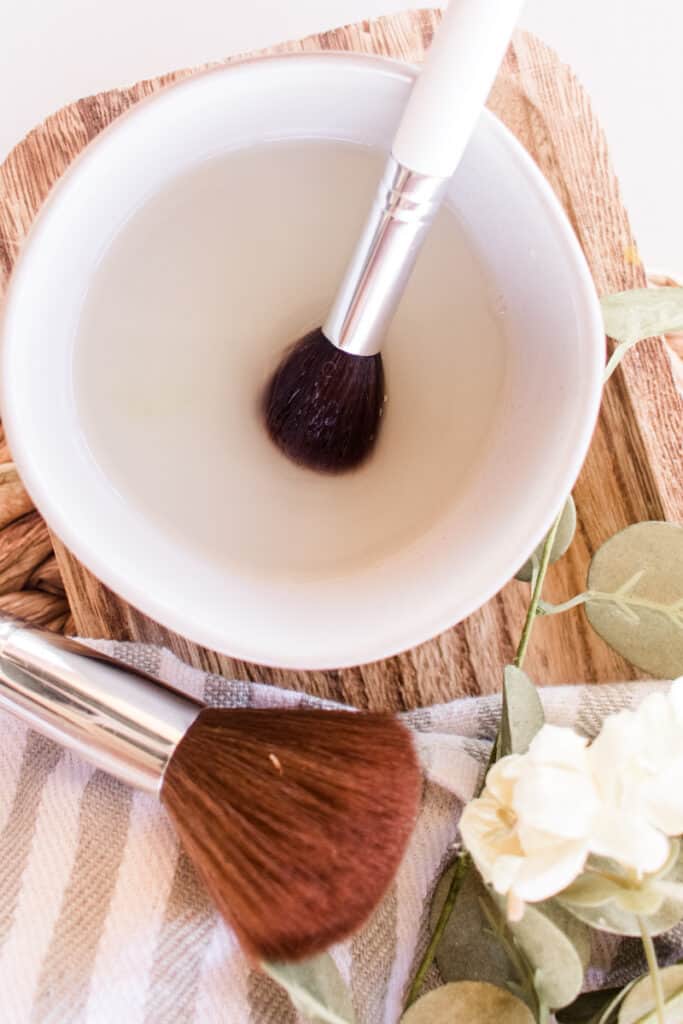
(633, 471)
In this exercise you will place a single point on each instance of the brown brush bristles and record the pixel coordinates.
(323, 406)
(296, 819)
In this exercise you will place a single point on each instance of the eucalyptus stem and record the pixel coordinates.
(464, 861)
(618, 354)
(525, 972)
(624, 599)
(461, 868)
(536, 591)
(653, 967)
(545, 608)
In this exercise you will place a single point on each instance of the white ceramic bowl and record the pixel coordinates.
(554, 350)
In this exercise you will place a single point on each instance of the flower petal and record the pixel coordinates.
(629, 840)
(558, 745)
(556, 800)
(661, 799)
(485, 835)
(504, 873)
(515, 907)
(610, 752)
(549, 872)
(502, 776)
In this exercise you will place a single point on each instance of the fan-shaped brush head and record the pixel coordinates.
(323, 406)
(296, 819)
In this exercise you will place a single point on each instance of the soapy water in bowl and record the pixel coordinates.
(190, 308)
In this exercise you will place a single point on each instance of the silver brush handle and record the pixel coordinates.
(402, 212)
(437, 123)
(118, 719)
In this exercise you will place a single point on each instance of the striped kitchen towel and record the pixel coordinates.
(102, 920)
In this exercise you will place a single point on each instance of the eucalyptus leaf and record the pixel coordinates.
(468, 951)
(563, 538)
(635, 596)
(522, 713)
(596, 1007)
(640, 1001)
(592, 890)
(475, 1002)
(316, 988)
(615, 915)
(555, 945)
(592, 1007)
(612, 918)
(642, 312)
(558, 949)
(644, 902)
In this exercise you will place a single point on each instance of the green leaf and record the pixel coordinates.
(591, 1007)
(563, 538)
(522, 713)
(316, 989)
(595, 1007)
(590, 890)
(554, 944)
(639, 1005)
(476, 1002)
(642, 312)
(617, 914)
(613, 918)
(635, 596)
(557, 947)
(468, 951)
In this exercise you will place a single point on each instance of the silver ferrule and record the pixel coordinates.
(117, 718)
(403, 209)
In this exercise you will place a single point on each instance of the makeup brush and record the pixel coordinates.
(323, 405)
(296, 819)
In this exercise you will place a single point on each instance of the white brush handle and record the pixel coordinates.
(449, 94)
(439, 119)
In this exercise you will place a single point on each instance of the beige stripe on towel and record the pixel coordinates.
(103, 829)
(13, 739)
(127, 948)
(268, 1003)
(39, 761)
(223, 995)
(43, 881)
(184, 936)
(373, 948)
(435, 831)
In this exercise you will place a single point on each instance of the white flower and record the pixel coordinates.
(542, 813)
(637, 762)
(529, 831)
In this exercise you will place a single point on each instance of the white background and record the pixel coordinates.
(626, 52)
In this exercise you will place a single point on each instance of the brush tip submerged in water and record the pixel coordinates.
(323, 406)
(296, 819)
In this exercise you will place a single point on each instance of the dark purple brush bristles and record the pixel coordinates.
(322, 406)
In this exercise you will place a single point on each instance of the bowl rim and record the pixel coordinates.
(358, 649)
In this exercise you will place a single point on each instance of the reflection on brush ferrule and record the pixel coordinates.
(403, 209)
(118, 719)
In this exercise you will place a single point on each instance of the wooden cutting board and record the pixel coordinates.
(633, 471)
